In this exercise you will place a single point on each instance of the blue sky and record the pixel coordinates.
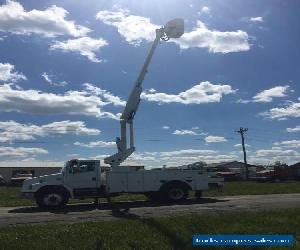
(67, 68)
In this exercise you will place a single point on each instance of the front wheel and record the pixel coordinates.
(51, 199)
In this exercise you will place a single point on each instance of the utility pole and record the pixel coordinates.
(241, 132)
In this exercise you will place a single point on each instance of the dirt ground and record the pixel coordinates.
(145, 209)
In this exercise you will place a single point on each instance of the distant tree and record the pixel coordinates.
(280, 164)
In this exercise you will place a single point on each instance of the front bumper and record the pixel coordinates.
(28, 195)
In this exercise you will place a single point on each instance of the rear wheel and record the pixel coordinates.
(51, 198)
(176, 193)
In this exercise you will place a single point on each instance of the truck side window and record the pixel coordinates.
(81, 168)
(87, 166)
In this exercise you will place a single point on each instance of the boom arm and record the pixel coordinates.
(164, 33)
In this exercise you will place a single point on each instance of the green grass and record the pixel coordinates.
(158, 233)
(253, 187)
(9, 196)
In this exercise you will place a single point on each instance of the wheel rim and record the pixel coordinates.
(52, 199)
(176, 193)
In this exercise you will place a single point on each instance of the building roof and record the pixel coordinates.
(31, 164)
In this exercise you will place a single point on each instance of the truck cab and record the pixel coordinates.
(77, 179)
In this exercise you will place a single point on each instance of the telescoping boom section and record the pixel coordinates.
(173, 29)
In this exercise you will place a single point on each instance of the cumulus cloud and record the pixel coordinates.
(135, 29)
(37, 102)
(239, 145)
(204, 92)
(94, 144)
(48, 79)
(290, 110)
(275, 154)
(165, 127)
(243, 101)
(184, 132)
(85, 46)
(187, 152)
(288, 144)
(7, 73)
(214, 139)
(295, 129)
(50, 22)
(12, 130)
(106, 95)
(21, 151)
(186, 156)
(215, 41)
(269, 94)
(205, 10)
(257, 19)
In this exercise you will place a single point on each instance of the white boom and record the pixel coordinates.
(173, 29)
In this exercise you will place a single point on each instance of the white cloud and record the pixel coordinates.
(135, 29)
(11, 130)
(106, 95)
(48, 79)
(204, 92)
(215, 41)
(184, 132)
(94, 144)
(7, 73)
(214, 139)
(256, 19)
(165, 127)
(243, 101)
(295, 129)
(186, 156)
(288, 144)
(239, 145)
(187, 153)
(50, 22)
(291, 110)
(276, 154)
(86, 46)
(21, 151)
(37, 102)
(269, 94)
(205, 10)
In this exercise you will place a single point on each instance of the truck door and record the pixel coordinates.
(83, 179)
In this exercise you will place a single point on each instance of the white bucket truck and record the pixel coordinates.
(86, 178)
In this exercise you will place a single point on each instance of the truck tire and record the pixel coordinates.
(51, 198)
(175, 193)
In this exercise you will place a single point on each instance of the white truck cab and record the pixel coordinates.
(87, 179)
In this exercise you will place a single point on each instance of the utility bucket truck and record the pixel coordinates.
(87, 179)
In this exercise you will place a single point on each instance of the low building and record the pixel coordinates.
(235, 166)
(13, 169)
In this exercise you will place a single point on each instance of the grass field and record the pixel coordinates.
(159, 233)
(9, 196)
